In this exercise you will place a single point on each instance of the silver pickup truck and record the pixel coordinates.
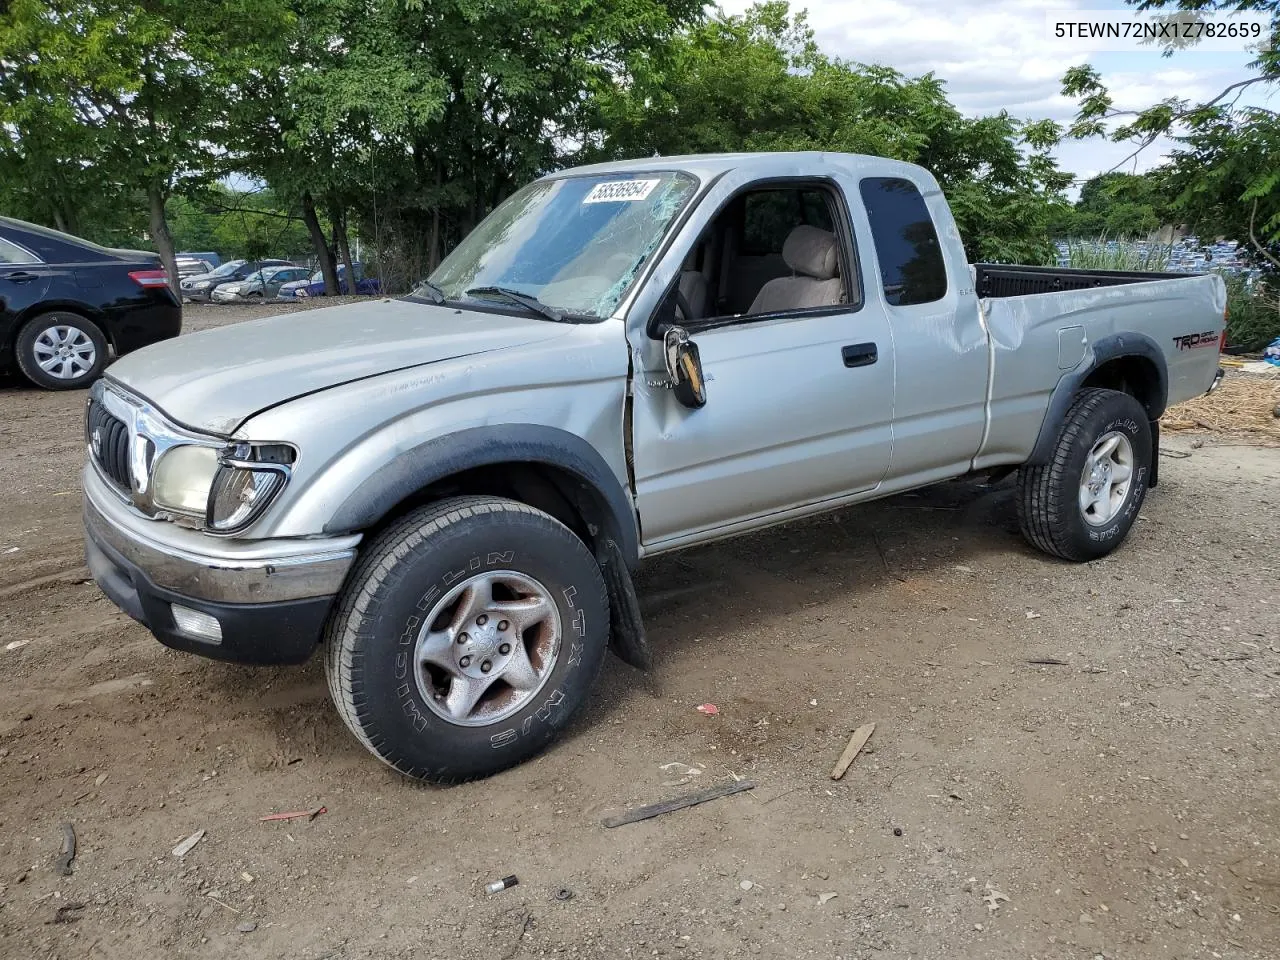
(448, 492)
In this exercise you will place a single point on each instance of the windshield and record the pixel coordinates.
(228, 268)
(575, 244)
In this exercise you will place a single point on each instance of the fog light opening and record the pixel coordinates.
(193, 623)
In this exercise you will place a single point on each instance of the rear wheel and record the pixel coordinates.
(470, 633)
(1083, 502)
(61, 351)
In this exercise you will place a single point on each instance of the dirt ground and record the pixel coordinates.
(1120, 801)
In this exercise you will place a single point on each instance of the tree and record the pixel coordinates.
(127, 93)
(1223, 174)
(759, 82)
(1119, 206)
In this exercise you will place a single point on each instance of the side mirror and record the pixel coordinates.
(684, 367)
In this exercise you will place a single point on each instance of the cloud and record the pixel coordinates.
(999, 55)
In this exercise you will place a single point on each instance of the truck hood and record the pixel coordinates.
(213, 380)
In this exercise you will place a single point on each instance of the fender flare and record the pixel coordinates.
(1102, 351)
(442, 457)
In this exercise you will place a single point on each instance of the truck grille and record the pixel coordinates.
(109, 443)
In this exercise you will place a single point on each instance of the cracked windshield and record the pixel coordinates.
(574, 244)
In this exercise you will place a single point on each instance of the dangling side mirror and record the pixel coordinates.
(684, 367)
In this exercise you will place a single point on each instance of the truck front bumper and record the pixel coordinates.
(262, 602)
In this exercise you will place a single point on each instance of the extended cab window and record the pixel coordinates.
(906, 241)
(12, 253)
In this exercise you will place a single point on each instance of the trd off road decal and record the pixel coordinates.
(1189, 341)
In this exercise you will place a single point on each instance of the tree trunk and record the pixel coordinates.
(433, 251)
(161, 237)
(339, 218)
(323, 253)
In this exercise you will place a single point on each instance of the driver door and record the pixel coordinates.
(799, 405)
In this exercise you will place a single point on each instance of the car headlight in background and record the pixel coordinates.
(249, 477)
(182, 478)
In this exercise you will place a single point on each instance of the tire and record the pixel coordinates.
(42, 339)
(417, 720)
(1052, 508)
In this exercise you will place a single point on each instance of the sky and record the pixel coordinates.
(998, 54)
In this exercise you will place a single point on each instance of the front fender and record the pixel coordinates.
(445, 456)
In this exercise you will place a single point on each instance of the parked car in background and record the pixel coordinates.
(208, 256)
(202, 287)
(263, 285)
(189, 267)
(65, 303)
(314, 286)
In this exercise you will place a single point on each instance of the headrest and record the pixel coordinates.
(811, 251)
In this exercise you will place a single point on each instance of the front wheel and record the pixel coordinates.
(1083, 502)
(469, 634)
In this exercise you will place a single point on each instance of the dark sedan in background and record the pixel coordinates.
(66, 303)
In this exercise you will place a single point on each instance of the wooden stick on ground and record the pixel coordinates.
(856, 743)
(667, 806)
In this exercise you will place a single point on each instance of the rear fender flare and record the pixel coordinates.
(1108, 348)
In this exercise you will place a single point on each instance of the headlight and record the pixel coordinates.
(183, 476)
(247, 480)
(201, 284)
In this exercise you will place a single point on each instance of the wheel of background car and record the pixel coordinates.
(255, 293)
(467, 636)
(61, 351)
(1083, 502)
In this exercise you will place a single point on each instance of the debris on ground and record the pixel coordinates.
(710, 709)
(745, 885)
(679, 803)
(64, 913)
(897, 831)
(100, 780)
(1048, 662)
(1242, 404)
(682, 773)
(247, 927)
(825, 898)
(497, 886)
(15, 644)
(295, 814)
(993, 898)
(187, 845)
(564, 894)
(1032, 615)
(63, 863)
(856, 743)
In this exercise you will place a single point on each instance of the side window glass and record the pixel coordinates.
(906, 241)
(769, 216)
(12, 253)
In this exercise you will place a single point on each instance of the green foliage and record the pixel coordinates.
(1104, 254)
(1118, 205)
(759, 82)
(1253, 312)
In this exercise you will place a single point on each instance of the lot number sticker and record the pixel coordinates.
(616, 191)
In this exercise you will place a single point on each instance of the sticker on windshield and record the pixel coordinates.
(616, 191)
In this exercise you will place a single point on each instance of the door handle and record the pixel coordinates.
(859, 354)
(21, 276)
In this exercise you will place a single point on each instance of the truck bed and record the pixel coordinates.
(996, 280)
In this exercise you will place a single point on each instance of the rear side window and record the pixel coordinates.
(906, 242)
(12, 253)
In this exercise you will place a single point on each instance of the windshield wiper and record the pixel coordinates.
(436, 291)
(524, 299)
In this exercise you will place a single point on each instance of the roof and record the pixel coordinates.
(778, 163)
